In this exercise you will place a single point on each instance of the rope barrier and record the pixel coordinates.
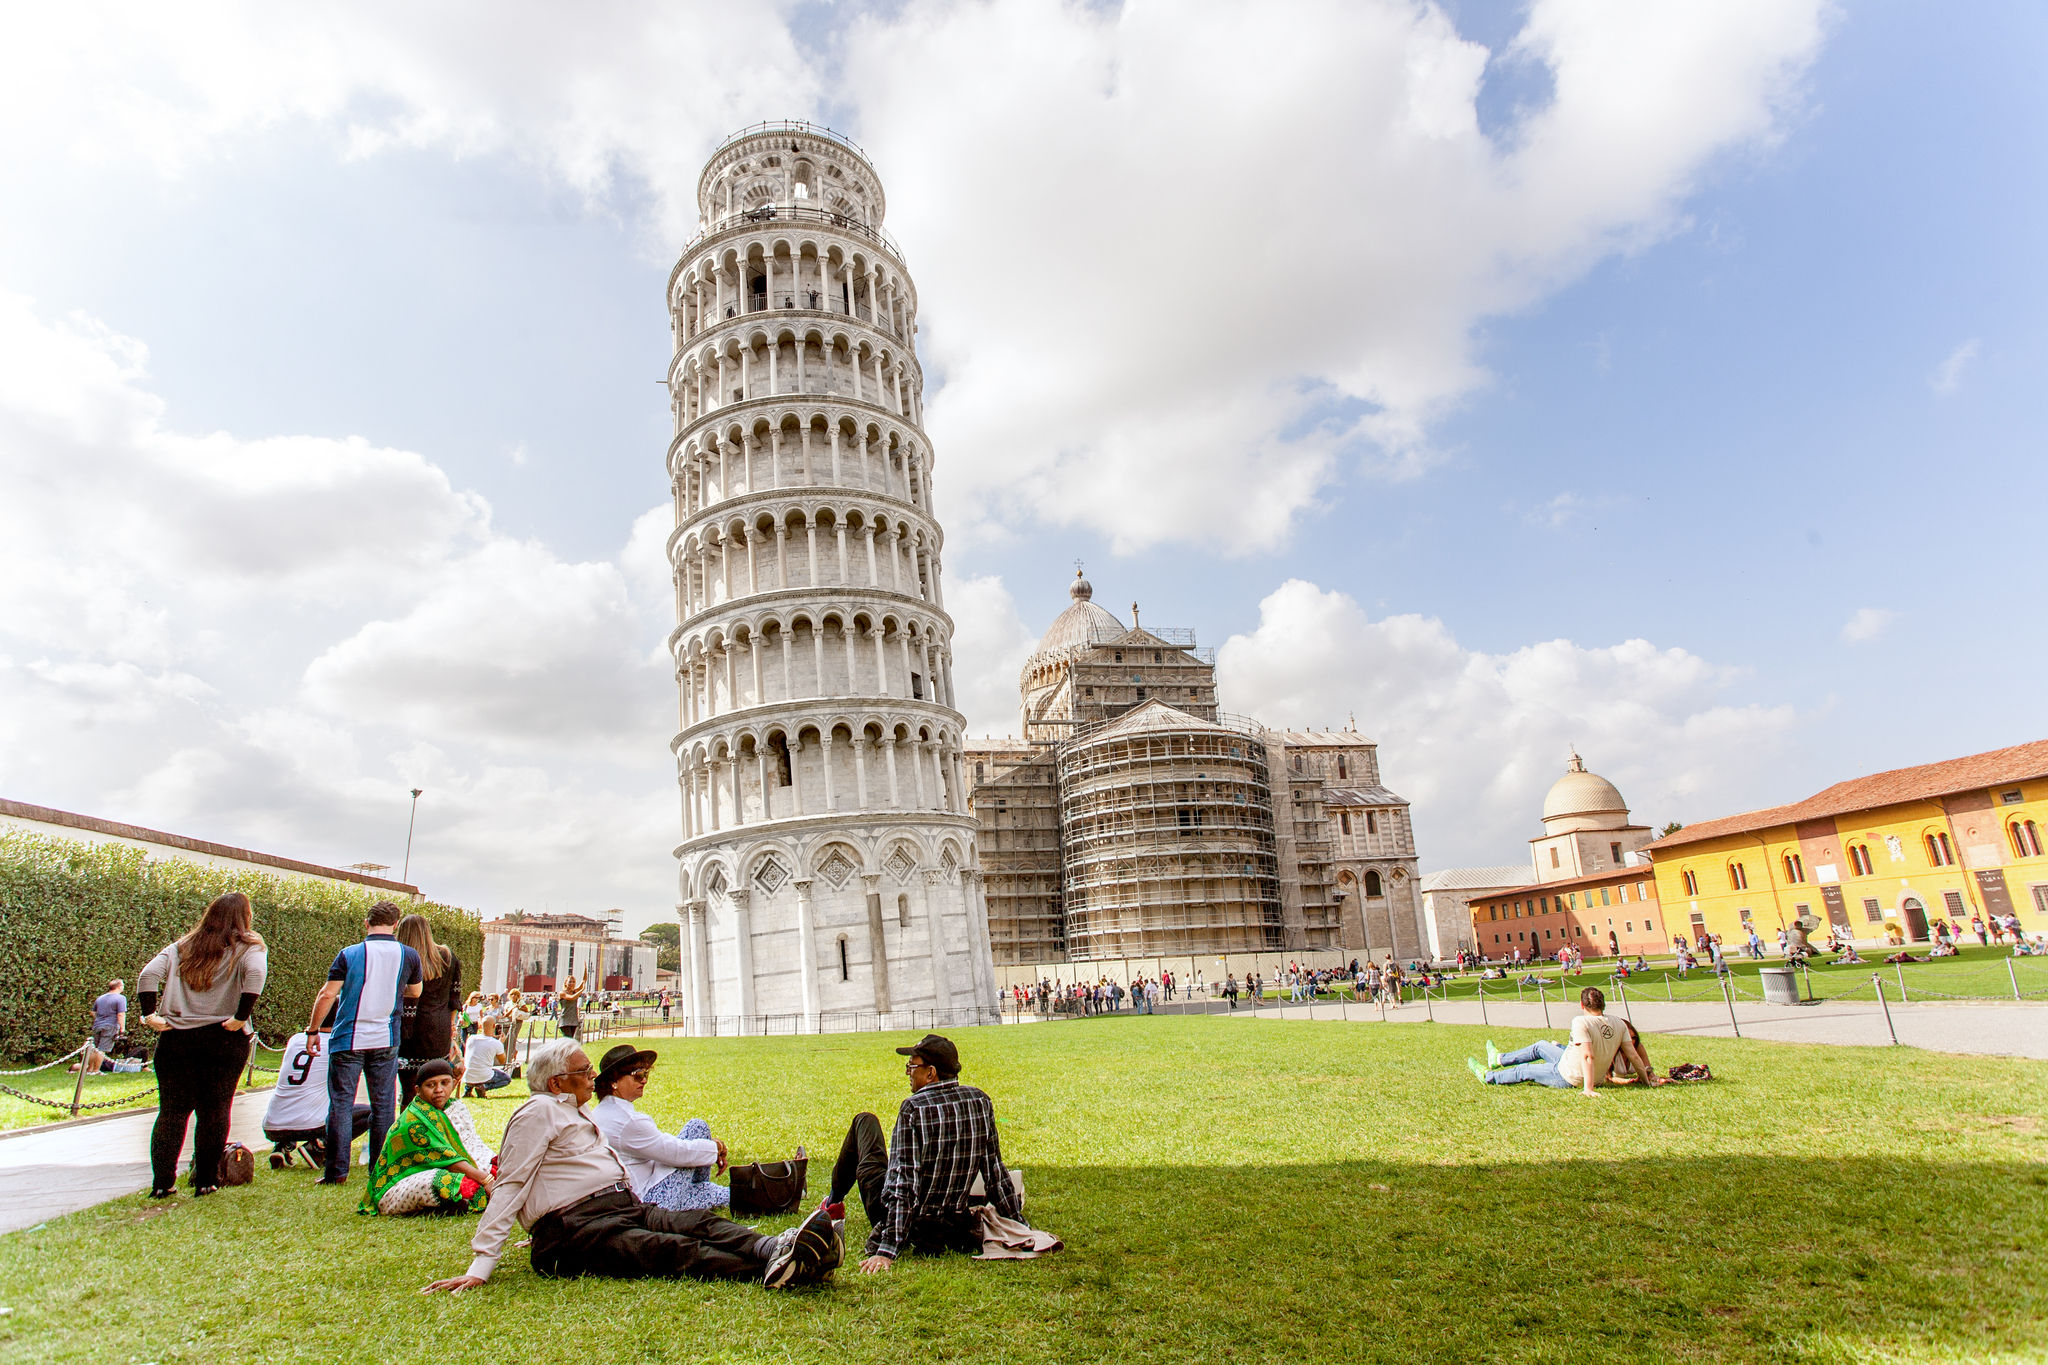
(66, 1104)
(29, 1070)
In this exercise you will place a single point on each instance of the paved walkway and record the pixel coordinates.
(1990, 1028)
(48, 1172)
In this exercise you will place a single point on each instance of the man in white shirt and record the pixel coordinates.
(1583, 1062)
(298, 1106)
(671, 1171)
(480, 1074)
(560, 1181)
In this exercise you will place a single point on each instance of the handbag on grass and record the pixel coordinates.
(768, 1186)
(237, 1165)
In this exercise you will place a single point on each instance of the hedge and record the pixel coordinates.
(73, 915)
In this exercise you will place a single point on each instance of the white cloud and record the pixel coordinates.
(1948, 375)
(1474, 740)
(1868, 624)
(267, 641)
(990, 643)
(1183, 262)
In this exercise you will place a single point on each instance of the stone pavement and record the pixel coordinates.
(1989, 1028)
(48, 1172)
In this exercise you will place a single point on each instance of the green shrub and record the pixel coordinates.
(73, 915)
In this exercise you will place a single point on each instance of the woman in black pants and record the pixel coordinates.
(428, 1030)
(198, 994)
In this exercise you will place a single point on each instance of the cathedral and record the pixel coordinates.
(1136, 819)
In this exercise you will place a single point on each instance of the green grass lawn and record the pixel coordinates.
(139, 1088)
(1228, 1192)
(1975, 973)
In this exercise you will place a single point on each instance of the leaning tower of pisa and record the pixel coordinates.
(827, 866)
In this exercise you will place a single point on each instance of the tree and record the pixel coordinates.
(668, 945)
(1670, 829)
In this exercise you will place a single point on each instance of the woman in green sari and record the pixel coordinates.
(424, 1167)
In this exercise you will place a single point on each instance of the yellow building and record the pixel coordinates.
(1880, 856)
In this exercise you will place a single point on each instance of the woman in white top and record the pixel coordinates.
(672, 1171)
(198, 994)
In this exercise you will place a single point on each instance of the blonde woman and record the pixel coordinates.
(429, 1032)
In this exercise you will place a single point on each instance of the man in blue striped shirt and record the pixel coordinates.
(371, 981)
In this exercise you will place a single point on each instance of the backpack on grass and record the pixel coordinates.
(1691, 1071)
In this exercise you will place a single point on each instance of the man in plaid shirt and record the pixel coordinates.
(916, 1190)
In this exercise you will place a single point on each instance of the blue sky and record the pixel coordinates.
(1746, 393)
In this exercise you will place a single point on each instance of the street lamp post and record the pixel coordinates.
(411, 820)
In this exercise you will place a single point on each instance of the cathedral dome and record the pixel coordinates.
(1082, 623)
(1583, 800)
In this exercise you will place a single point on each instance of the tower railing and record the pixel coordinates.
(796, 213)
(787, 125)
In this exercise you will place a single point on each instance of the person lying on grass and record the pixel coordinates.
(560, 1181)
(918, 1190)
(424, 1167)
(1582, 1062)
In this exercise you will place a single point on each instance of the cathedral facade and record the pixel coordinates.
(1135, 818)
(827, 868)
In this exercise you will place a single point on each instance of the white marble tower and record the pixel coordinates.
(827, 867)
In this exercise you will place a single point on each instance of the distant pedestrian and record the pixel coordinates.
(109, 1022)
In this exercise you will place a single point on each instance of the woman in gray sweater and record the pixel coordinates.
(198, 994)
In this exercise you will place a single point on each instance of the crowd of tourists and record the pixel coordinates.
(598, 1187)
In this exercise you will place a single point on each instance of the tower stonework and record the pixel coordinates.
(828, 867)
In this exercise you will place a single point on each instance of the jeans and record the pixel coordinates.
(378, 1066)
(196, 1073)
(864, 1162)
(500, 1078)
(359, 1123)
(1536, 1062)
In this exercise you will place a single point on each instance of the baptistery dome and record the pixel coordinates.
(1583, 800)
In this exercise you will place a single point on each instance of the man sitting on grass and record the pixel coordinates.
(560, 1181)
(918, 1190)
(1583, 1062)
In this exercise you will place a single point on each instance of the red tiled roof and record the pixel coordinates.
(1565, 885)
(1997, 768)
(22, 810)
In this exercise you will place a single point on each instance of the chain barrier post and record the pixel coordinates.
(1728, 994)
(1427, 1005)
(1543, 994)
(1806, 973)
(78, 1090)
(2015, 976)
(1878, 981)
(1482, 1004)
(1667, 988)
(1621, 990)
(1900, 968)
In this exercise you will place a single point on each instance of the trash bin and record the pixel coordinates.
(1781, 985)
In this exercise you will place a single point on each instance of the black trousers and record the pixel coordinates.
(196, 1073)
(615, 1235)
(864, 1161)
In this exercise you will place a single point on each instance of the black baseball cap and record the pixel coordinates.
(936, 1052)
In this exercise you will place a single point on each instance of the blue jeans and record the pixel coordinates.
(500, 1078)
(1536, 1062)
(379, 1067)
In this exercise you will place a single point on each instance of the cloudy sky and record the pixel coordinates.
(1663, 379)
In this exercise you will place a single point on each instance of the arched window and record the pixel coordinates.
(1939, 854)
(2026, 839)
(1859, 859)
(1341, 772)
(844, 972)
(903, 910)
(1372, 883)
(1553, 857)
(1795, 868)
(1692, 883)
(1738, 877)
(1344, 821)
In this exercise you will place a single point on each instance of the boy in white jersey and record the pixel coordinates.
(298, 1107)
